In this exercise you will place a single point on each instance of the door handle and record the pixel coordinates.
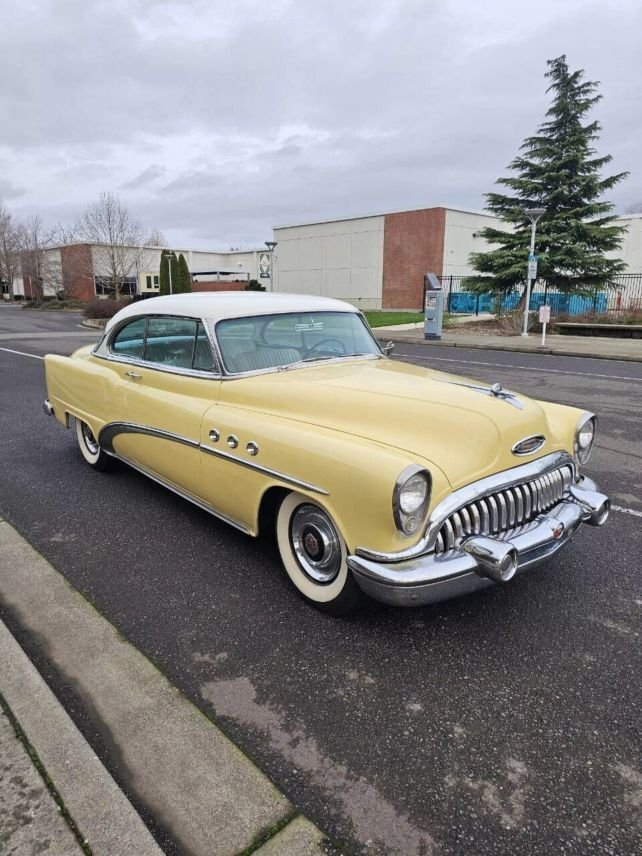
(133, 375)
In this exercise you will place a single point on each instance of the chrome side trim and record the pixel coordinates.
(470, 493)
(250, 465)
(110, 431)
(183, 494)
(538, 441)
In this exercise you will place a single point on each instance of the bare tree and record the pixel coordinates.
(40, 263)
(636, 208)
(156, 239)
(117, 239)
(9, 249)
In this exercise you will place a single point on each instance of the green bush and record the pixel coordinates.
(254, 285)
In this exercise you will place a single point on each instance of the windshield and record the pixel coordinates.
(278, 341)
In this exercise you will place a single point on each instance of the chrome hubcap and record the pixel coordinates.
(90, 440)
(316, 544)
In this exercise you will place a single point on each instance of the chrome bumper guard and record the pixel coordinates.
(482, 560)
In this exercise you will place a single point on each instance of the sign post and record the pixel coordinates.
(544, 318)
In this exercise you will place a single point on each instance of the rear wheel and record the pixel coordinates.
(90, 448)
(314, 555)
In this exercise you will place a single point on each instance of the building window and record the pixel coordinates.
(148, 281)
(104, 286)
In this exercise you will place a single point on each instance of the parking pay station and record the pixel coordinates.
(433, 307)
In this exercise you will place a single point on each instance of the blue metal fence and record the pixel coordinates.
(626, 295)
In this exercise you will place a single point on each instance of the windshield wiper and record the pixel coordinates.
(321, 357)
(301, 362)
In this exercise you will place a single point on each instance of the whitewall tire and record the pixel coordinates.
(314, 555)
(90, 448)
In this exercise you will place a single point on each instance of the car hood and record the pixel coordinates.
(438, 417)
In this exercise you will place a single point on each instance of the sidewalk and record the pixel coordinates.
(200, 791)
(563, 346)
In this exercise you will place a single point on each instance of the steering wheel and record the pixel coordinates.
(331, 345)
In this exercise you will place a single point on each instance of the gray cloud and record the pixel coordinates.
(9, 190)
(217, 120)
(146, 177)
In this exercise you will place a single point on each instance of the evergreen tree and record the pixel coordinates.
(558, 169)
(184, 276)
(168, 257)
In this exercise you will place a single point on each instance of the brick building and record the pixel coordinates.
(378, 261)
(82, 271)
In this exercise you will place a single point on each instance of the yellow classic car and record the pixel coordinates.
(280, 412)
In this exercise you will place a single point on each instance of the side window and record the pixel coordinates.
(129, 339)
(203, 357)
(170, 341)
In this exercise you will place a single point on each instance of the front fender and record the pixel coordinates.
(352, 478)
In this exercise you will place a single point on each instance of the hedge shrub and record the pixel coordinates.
(104, 307)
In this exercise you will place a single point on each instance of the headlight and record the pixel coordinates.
(584, 437)
(411, 498)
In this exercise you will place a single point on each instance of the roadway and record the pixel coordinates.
(503, 722)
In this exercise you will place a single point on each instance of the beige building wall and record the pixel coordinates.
(341, 258)
(631, 250)
(462, 238)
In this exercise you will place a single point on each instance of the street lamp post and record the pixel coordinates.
(533, 214)
(271, 245)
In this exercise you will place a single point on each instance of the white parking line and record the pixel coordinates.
(626, 510)
(22, 353)
(521, 368)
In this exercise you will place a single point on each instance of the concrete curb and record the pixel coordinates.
(95, 323)
(198, 786)
(476, 346)
(101, 811)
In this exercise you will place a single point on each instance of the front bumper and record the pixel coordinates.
(434, 577)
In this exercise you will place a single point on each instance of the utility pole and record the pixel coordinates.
(533, 214)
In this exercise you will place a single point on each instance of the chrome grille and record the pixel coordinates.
(505, 509)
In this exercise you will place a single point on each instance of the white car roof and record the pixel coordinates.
(216, 305)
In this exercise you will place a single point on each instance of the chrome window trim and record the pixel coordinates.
(112, 429)
(469, 493)
(203, 374)
(106, 342)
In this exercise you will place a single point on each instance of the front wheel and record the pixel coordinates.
(90, 448)
(314, 555)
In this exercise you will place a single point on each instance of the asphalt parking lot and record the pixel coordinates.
(500, 723)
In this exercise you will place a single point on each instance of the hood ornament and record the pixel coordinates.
(495, 391)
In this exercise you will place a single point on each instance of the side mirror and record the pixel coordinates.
(389, 348)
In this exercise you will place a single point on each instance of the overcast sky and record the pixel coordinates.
(218, 119)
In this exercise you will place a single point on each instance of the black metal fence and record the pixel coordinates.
(624, 296)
